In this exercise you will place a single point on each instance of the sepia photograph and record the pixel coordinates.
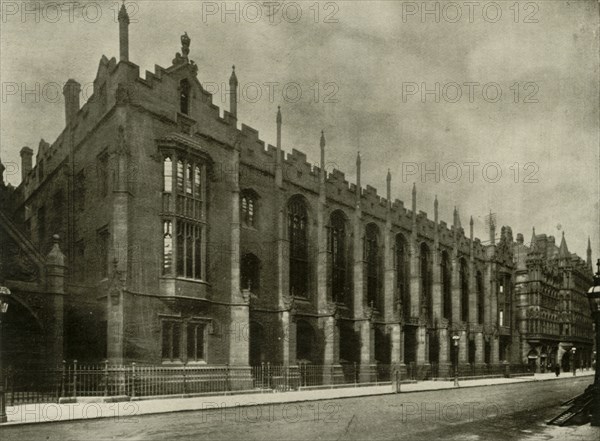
(300, 220)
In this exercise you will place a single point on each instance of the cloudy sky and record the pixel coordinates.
(518, 92)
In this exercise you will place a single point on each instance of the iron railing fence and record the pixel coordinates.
(75, 379)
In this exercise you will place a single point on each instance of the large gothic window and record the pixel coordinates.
(425, 269)
(464, 291)
(480, 299)
(402, 270)
(183, 223)
(337, 249)
(298, 237)
(446, 285)
(373, 265)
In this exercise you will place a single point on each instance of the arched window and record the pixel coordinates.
(480, 299)
(425, 267)
(446, 285)
(248, 208)
(298, 237)
(464, 291)
(167, 175)
(250, 272)
(184, 96)
(373, 264)
(402, 270)
(180, 176)
(167, 248)
(337, 248)
(189, 179)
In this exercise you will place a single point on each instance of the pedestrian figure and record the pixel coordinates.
(557, 369)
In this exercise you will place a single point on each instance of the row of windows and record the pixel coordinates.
(183, 341)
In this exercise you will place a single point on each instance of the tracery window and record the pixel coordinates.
(337, 249)
(183, 223)
(373, 265)
(298, 237)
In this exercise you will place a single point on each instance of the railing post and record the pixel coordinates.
(184, 380)
(105, 378)
(227, 385)
(63, 384)
(74, 378)
(133, 379)
(262, 376)
(269, 374)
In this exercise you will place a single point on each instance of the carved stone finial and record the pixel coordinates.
(185, 45)
(123, 16)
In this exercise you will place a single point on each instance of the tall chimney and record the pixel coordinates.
(26, 162)
(123, 33)
(71, 92)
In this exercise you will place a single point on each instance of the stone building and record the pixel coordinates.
(553, 311)
(188, 240)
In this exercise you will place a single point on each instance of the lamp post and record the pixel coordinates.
(573, 350)
(593, 295)
(4, 293)
(456, 338)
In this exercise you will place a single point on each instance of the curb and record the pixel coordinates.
(292, 400)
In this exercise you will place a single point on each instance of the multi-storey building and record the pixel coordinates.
(187, 240)
(553, 311)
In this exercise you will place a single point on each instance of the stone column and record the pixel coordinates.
(55, 282)
(118, 251)
(463, 353)
(239, 313)
(444, 338)
(322, 251)
(395, 332)
(422, 345)
(331, 348)
(479, 348)
(495, 347)
(455, 288)
(367, 337)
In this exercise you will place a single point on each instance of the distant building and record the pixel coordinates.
(187, 241)
(553, 311)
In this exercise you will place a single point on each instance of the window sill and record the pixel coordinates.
(185, 279)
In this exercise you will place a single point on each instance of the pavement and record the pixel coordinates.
(84, 409)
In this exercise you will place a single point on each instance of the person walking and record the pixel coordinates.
(557, 369)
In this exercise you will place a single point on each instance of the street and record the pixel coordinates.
(507, 412)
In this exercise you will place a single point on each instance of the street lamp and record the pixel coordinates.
(4, 293)
(594, 298)
(456, 338)
(573, 350)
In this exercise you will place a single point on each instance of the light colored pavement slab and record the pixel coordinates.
(51, 412)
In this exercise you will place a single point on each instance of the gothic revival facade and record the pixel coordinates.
(187, 241)
(554, 323)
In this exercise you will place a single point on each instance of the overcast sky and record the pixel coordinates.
(369, 62)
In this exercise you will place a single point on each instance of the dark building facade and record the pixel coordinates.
(188, 240)
(553, 321)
